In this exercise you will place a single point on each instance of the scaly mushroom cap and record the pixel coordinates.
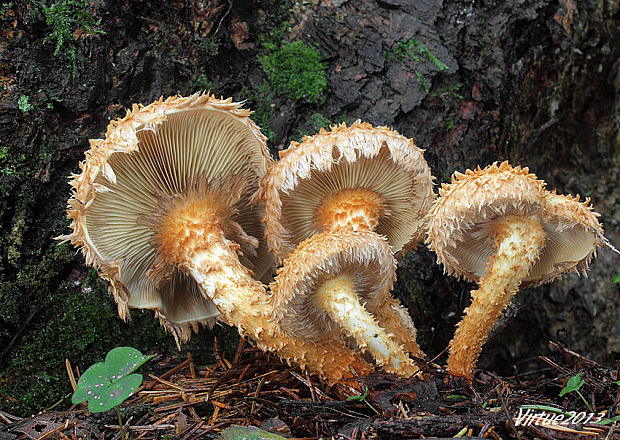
(152, 154)
(359, 157)
(461, 219)
(363, 255)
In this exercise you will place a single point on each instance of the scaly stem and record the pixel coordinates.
(397, 321)
(243, 302)
(518, 240)
(361, 209)
(338, 299)
(188, 233)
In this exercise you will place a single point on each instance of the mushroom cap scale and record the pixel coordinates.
(152, 153)
(362, 255)
(461, 220)
(377, 159)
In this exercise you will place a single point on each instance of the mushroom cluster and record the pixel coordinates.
(161, 209)
(180, 208)
(337, 206)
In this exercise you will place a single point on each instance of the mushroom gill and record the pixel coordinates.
(349, 179)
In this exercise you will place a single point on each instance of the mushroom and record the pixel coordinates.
(161, 210)
(360, 179)
(329, 283)
(499, 226)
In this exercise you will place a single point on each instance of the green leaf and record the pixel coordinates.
(573, 384)
(546, 408)
(616, 279)
(456, 397)
(93, 379)
(108, 384)
(608, 421)
(618, 382)
(122, 361)
(115, 394)
(361, 397)
(248, 433)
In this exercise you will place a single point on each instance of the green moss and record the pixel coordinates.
(260, 100)
(295, 70)
(209, 46)
(445, 93)
(24, 104)
(448, 95)
(67, 18)
(423, 81)
(202, 82)
(419, 53)
(76, 321)
(417, 50)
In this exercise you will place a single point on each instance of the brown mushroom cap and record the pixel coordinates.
(153, 153)
(346, 158)
(362, 255)
(460, 221)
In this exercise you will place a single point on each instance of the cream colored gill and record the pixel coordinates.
(188, 145)
(183, 301)
(392, 183)
(369, 269)
(563, 246)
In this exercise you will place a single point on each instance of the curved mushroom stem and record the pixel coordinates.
(360, 209)
(189, 234)
(244, 303)
(392, 316)
(338, 299)
(518, 240)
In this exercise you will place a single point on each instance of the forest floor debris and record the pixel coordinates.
(189, 401)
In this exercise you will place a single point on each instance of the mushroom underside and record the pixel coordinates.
(170, 157)
(378, 174)
(313, 321)
(565, 245)
(336, 282)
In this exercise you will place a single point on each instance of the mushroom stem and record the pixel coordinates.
(352, 209)
(518, 240)
(189, 233)
(338, 299)
(243, 302)
(357, 210)
(397, 321)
